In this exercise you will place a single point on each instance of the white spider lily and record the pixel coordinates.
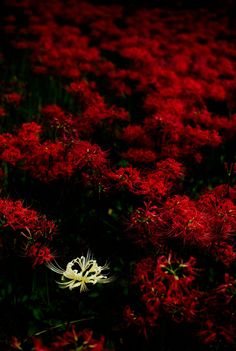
(80, 272)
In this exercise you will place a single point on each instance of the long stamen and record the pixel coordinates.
(55, 267)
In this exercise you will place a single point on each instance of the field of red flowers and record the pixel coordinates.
(117, 166)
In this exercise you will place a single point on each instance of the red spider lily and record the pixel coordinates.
(53, 159)
(38, 345)
(2, 112)
(228, 289)
(213, 334)
(65, 125)
(127, 177)
(144, 219)
(18, 217)
(83, 338)
(167, 286)
(132, 319)
(140, 156)
(13, 98)
(136, 135)
(39, 254)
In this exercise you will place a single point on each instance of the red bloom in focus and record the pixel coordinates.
(167, 285)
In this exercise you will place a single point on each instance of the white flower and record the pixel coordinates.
(80, 272)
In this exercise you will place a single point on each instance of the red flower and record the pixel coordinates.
(167, 285)
(140, 155)
(38, 345)
(83, 339)
(39, 254)
(2, 112)
(127, 177)
(135, 320)
(13, 98)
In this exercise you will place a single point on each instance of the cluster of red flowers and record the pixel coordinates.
(48, 160)
(182, 73)
(11, 95)
(207, 223)
(205, 227)
(32, 231)
(167, 286)
(79, 340)
(152, 104)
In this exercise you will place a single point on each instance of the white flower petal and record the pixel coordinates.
(89, 273)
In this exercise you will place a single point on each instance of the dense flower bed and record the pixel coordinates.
(118, 131)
